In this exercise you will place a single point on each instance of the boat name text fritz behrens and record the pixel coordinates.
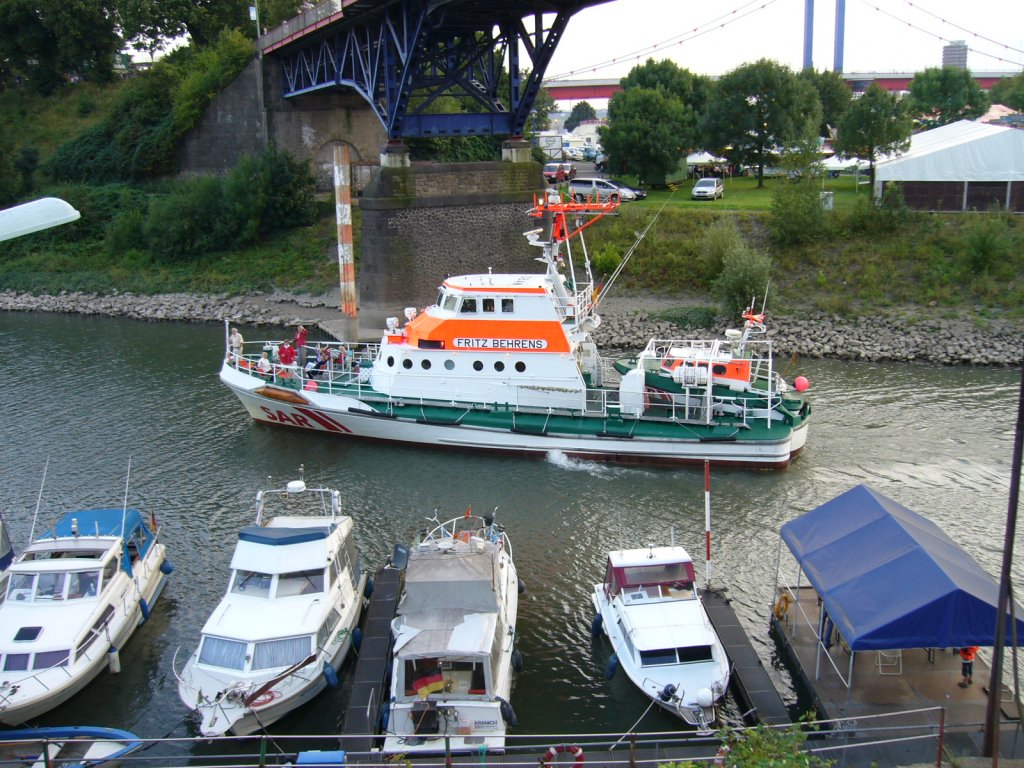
(501, 343)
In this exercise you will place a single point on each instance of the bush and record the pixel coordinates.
(722, 237)
(987, 242)
(764, 746)
(189, 221)
(796, 215)
(745, 274)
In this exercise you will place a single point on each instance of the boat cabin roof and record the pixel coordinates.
(497, 283)
(94, 522)
(444, 633)
(458, 575)
(281, 550)
(649, 556)
(283, 536)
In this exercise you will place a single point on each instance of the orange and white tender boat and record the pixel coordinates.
(508, 363)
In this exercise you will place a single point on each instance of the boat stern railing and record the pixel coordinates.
(343, 363)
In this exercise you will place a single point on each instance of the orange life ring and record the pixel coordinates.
(781, 607)
(577, 755)
(265, 698)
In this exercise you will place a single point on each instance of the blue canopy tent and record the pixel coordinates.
(890, 579)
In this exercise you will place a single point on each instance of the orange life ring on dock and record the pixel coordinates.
(265, 698)
(577, 755)
(781, 607)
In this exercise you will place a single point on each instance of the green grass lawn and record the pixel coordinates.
(742, 193)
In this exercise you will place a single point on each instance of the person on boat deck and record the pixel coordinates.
(263, 366)
(300, 344)
(316, 367)
(286, 353)
(237, 342)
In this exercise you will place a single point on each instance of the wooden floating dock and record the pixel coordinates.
(369, 679)
(749, 679)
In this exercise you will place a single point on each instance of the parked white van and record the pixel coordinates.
(601, 190)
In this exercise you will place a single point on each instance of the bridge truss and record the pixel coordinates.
(433, 68)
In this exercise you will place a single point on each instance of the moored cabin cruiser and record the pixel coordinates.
(454, 642)
(281, 632)
(651, 611)
(508, 362)
(74, 596)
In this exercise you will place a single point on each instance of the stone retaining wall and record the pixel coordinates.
(623, 331)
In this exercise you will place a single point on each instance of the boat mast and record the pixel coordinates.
(39, 499)
(707, 523)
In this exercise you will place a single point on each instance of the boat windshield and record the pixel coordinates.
(53, 585)
(264, 654)
(251, 583)
(460, 676)
(662, 573)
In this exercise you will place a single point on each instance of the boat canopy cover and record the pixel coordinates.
(460, 578)
(264, 551)
(92, 522)
(444, 633)
(6, 550)
(281, 537)
(889, 578)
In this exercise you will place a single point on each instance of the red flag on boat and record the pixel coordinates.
(468, 512)
(152, 521)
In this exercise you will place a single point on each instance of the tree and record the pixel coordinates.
(646, 133)
(581, 111)
(543, 106)
(673, 80)
(1009, 92)
(875, 124)
(756, 111)
(833, 94)
(942, 95)
(150, 22)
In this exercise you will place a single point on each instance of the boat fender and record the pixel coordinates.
(330, 675)
(507, 713)
(574, 749)
(357, 638)
(517, 661)
(596, 625)
(144, 607)
(666, 693)
(113, 660)
(166, 568)
(385, 717)
(706, 698)
(612, 667)
(781, 608)
(521, 586)
(368, 589)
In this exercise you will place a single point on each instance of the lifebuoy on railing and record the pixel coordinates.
(781, 607)
(577, 755)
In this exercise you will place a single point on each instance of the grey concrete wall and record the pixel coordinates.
(422, 223)
(306, 126)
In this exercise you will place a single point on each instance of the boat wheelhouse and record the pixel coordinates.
(650, 609)
(77, 592)
(282, 630)
(454, 642)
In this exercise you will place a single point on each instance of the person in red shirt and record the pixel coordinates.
(286, 353)
(300, 344)
(967, 665)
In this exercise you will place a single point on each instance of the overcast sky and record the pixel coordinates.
(714, 37)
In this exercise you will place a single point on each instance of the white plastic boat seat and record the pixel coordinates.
(889, 662)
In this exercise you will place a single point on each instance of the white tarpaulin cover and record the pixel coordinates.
(460, 577)
(837, 163)
(703, 158)
(961, 151)
(449, 632)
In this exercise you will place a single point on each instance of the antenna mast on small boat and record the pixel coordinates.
(124, 506)
(707, 522)
(39, 499)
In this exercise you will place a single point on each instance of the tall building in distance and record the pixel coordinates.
(955, 54)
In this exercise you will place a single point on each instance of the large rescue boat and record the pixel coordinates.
(508, 363)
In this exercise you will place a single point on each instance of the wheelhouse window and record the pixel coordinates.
(460, 676)
(508, 305)
(271, 654)
(686, 655)
(488, 305)
(450, 302)
(251, 583)
(300, 583)
(662, 573)
(47, 659)
(468, 305)
(223, 653)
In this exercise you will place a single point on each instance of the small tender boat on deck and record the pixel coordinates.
(281, 632)
(508, 362)
(67, 747)
(73, 598)
(651, 611)
(454, 641)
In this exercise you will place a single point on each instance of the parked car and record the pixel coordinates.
(569, 171)
(601, 162)
(554, 173)
(601, 190)
(590, 153)
(708, 188)
(639, 192)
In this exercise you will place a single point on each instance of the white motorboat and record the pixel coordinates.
(6, 553)
(73, 598)
(68, 747)
(454, 641)
(281, 632)
(651, 611)
(508, 363)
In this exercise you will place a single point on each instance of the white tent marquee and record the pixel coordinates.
(959, 166)
(703, 158)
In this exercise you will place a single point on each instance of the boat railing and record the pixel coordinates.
(346, 363)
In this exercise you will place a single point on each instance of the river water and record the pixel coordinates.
(92, 394)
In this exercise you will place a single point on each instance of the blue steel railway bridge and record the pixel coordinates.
(403, 56)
